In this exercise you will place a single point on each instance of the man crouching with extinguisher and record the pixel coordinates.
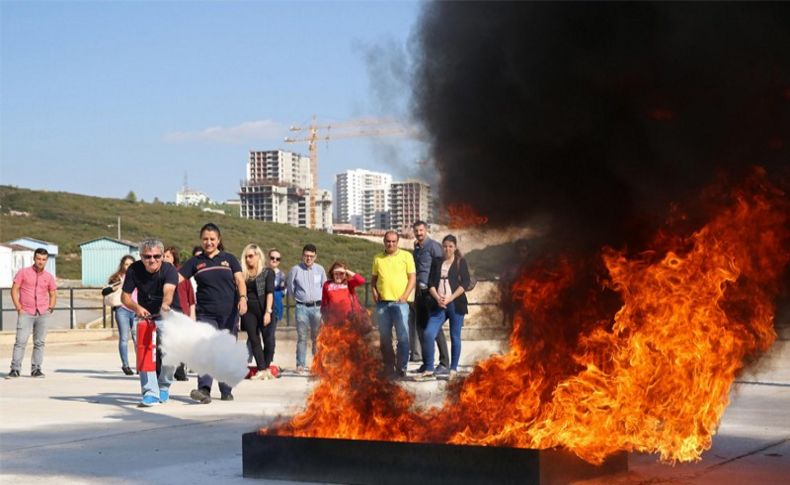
(155, 282)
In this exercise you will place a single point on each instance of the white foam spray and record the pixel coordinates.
(203, 348)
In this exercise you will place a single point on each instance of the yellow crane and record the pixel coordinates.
(313, 133)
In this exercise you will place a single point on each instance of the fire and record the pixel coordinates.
(632, 352)
(464, 216)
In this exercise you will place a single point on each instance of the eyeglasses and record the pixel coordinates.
(272, 258)
(308, 256)
(152, 256)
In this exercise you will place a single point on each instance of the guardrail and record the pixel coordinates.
(108, 316)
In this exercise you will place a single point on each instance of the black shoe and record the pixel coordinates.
(442, 371)
(13, 373)
(37, 373)
(200, 396)
(419, 370)
(227, 397)
(127, 370)
(180, 374)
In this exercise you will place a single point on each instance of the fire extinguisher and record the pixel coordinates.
(146, 345)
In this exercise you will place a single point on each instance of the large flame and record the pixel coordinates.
(464, 216)
(636, 354)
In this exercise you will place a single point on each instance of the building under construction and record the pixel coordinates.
(277, 189)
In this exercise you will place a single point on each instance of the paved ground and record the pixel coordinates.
(81, 424)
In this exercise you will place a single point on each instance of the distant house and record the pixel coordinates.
(13, 257)
(34, 244)
(100, 258)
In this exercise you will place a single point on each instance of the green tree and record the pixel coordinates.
(131, 197)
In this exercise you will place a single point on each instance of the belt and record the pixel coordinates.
(310, 303)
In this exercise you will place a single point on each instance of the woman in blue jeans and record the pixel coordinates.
(446, 282)
(124, 317)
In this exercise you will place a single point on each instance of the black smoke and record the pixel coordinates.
(597, 118)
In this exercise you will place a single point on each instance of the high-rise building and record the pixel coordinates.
(410, 201)
(350, 189)
(277, 187)
(375, 208)
(280, 167)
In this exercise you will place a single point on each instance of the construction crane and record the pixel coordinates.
(314, 133)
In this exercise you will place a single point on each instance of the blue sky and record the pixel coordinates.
(102, 98)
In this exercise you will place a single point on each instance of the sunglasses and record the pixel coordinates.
(272, 258)
(152, 256)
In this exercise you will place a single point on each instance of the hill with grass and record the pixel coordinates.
(70, 219)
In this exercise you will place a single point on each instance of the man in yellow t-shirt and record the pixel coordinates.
(394, 278)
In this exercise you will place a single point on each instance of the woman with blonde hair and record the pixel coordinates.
(257, 321)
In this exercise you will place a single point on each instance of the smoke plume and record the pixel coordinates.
(597, 118)
(203, 348)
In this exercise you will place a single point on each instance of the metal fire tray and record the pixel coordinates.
(384, 462)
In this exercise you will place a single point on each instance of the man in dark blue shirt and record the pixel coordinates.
(155, 282)
(425, 251)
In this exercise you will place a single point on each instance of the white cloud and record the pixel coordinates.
(241, 133)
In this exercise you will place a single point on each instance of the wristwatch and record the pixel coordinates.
(269, 311)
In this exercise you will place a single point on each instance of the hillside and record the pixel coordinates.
(70, 219)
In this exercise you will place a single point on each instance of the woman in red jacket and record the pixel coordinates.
(339, 298)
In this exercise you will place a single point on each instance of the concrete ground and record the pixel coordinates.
(81, 424)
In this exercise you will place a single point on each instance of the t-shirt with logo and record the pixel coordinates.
(216, 285)
(150, 286)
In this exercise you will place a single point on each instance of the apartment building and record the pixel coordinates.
(375, 209)
(350, 187)
(277, 188)
(410, 201)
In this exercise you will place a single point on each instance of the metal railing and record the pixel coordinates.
(108, 316)
(5, 296)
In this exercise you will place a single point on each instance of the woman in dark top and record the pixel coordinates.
(221, 292)
(258, 321)
(449, 276)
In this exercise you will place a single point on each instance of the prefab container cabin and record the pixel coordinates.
(51, 248)
(6, 266)
(14, 258)
(100, 258)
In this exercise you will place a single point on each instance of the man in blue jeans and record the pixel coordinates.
(155, 282)
(393, 281)
(305, 282)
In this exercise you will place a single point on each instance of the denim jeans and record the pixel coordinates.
(422, 306)
(228, 323)
(152, 382)
(126, 325)
(393, 314)
(307, 319)
(25, 324)
(435, 321)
